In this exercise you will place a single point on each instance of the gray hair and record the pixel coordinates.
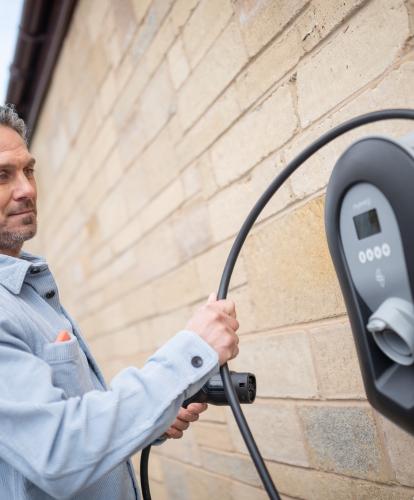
(10, 118)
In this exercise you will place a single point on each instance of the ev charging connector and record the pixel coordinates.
(369, 224)
(213, 392)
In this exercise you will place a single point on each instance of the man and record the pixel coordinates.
(63, 433)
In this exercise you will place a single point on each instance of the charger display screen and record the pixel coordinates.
(367, 224)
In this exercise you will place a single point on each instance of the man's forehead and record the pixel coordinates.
(12, 146)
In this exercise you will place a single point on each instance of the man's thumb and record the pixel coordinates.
(212, 298)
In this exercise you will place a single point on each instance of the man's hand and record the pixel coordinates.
(184, 417)
(216, 323)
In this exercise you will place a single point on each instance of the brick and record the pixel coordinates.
(254, 137)
(215, 414)
(392, 91)
(290, 354)
(155, 254)
(210, 266)
(145, 57)
(400, 449)
(261, 20)
(127, 236)
(125, 23)
(59, 147)
(100, 64)
(191, 180)
(162, 205)
(132, 138)
(126, 341)
(216, 119)
(148, 30)
(274, 63)
(152, 171)
(204, 486)
(178, 287)
(97, 11)
(209, 184)
(101, 347)
(153, 56)
(410, 10)
(187, 483)
(277, 431)
(166, 325)
(232, 465)
(157, 102)
(112, 368)
(368, 491)
(322, 17)
(219, 66)
(344, 439)
(140, 9)
(336, 361)
(351, 61)
(180, 13)
(311, 484)
(192, 230)
(213, 435)
(174, 128)
(207, 21)
(108, 93)
(243, 492)
(176, 478)
(289, 270)
(178, 64)
(230, 207)
(159, 160)
(76, 112)
(109, 318)
(112, 213)
(185, 449)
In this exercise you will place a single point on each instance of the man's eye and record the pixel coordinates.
(29, 172)
(4, 175)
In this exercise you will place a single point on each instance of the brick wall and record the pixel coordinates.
(164, 123)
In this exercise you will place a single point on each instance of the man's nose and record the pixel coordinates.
(23, 188)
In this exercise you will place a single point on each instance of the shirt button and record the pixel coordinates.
(50, 294)
(196, 361)
(35, 270)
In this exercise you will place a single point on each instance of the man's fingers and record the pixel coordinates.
(228, 307)
(174, 433)
(181, 425)
(197, 408)
(212, 298)
(191, 413)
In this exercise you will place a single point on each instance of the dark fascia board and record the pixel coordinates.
(42, 30)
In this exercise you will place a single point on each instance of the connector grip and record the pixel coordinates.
(213, 393)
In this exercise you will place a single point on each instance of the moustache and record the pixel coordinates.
(28, 205)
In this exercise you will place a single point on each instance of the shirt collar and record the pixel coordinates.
(13, 270)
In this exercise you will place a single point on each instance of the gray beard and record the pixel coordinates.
(11, 240)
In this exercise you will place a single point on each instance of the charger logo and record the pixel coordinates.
(362, 204)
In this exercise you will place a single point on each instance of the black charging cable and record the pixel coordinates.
(389, 114)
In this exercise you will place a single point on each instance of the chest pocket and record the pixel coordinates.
(70, 368)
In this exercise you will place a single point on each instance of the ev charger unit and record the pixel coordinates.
(369, 219)
(369, 215)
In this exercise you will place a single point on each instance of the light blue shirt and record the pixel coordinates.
(63, 432)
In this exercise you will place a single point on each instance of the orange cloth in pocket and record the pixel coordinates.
(62, 336)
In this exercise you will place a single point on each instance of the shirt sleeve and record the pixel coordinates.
(63, 445)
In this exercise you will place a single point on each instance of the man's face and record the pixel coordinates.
(17, 192)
